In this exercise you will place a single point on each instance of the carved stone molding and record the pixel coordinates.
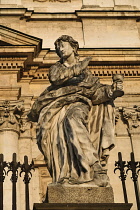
(132, 117)
(126, 70)
(10, 113)
(11, 64)
(36, 74)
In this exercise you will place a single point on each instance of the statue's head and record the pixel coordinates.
(68, 43)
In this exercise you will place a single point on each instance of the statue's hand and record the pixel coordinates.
(117, 88)
(85, 62)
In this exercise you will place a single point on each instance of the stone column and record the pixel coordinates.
(9, 128)
(10, 113)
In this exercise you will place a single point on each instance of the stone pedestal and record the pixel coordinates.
(58, 193)
(82, 206)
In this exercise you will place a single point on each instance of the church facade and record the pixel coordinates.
(109, 32)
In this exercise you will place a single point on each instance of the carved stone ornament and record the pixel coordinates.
(132, 117)
(10, 113)
(117, 115)
(25, 127)
(53, 0)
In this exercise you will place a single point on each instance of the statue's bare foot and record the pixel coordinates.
(100, 176)
(101, 179)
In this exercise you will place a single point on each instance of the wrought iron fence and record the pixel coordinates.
(124, 167)
(16, 168)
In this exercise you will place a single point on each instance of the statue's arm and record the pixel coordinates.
(106, 93)
(59, 73)
(103, 94)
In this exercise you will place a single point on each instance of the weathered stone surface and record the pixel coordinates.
(83, 206)
(79, 194)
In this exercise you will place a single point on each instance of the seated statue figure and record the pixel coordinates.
(75, 116)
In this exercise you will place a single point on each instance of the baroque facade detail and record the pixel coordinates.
(10, 114)
(132, 118)
(25, 127)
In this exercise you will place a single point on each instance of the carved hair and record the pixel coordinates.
(65, 38)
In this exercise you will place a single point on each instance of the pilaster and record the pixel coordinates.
(10, 113)
(131, 115)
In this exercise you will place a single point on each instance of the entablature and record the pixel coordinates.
(104, 63)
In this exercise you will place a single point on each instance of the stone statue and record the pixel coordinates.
(75, 116)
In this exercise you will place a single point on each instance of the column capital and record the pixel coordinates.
(131, 115)
(10, 113)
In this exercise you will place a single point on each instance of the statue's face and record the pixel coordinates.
(65, 49)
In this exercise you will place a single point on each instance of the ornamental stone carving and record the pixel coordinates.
(132, 117)
(10, 113)
(25, 127)
(117, 114)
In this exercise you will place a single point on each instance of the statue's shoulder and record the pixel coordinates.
(96, 79)
(57, 65)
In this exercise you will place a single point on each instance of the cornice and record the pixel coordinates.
(107, 71)
(17, 49)
(79, 14)
(39, 75)
(12, 11)
(99, 55)
(30, 15)
(104, 63)
(109, 14)
(12, 65)
(50, 16)
(10, 93)
(18, 41)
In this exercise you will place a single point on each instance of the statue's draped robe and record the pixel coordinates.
(75, 118)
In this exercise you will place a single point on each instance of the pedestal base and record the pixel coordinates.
(82, 206)
(58, 193)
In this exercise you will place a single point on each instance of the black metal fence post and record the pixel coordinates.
(120, 165)
(3, 164)
(132, 166)
(26, 168)
(13, 167)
